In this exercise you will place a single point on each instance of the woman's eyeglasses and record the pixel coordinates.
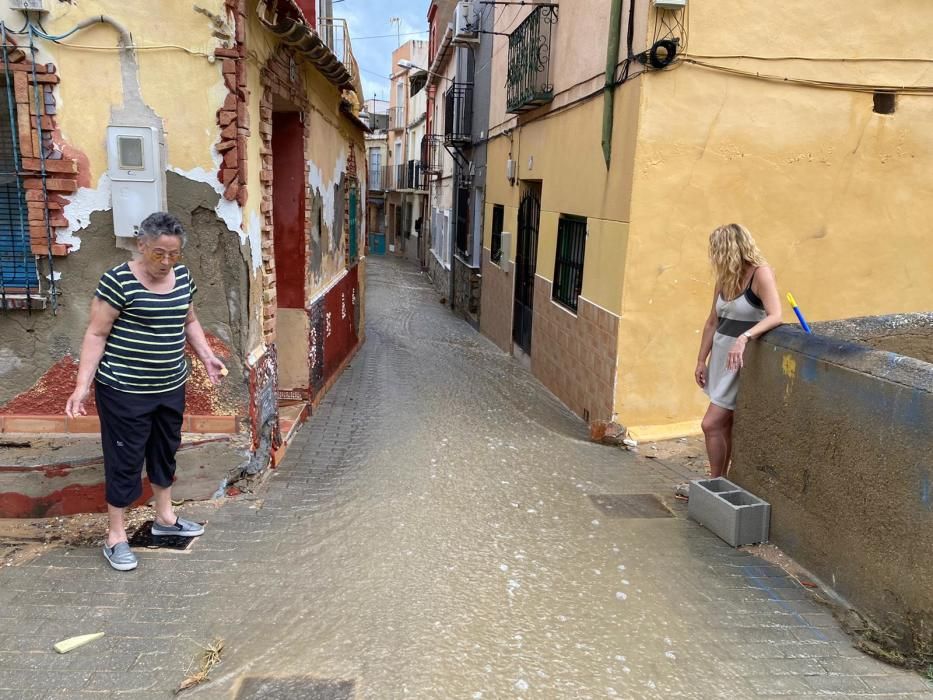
(159, 255)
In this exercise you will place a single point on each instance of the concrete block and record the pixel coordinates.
(729, 511)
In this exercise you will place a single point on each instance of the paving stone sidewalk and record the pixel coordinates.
(439, 529)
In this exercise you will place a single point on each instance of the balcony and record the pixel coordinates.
(529, 76)
(397, 119)
(336, 35)
(458, 113)
(431, 154)
(326, 45)
(406, 177)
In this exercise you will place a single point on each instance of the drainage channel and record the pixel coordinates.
(144, 539)
(632, 506)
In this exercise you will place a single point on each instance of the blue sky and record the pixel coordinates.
(371, 18)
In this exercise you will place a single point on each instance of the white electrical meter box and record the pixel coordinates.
(510, 170)
(505, 251)
(29, 5)
(137, 175)
(670, 4)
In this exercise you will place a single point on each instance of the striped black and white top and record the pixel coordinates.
(145, 351)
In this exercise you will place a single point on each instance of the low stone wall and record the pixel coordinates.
(467, 282)
(838, 437)
(439, 275)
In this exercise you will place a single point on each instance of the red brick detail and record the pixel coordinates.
(275, 82)
(233, 116)
(40, 152)
(69, 166)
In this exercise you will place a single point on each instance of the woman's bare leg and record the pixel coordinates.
(717, 428)
(165, 514)
(116, 532)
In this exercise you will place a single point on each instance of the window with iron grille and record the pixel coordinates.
(18, 272)
(568, 265)
(498, 218)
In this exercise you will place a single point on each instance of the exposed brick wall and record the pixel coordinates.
(574, 355)
(45, 203)
(233, 116)
(278, 78)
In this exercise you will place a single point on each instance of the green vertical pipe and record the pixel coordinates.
(612, 60)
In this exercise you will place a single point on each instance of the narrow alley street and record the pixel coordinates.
(441, 528)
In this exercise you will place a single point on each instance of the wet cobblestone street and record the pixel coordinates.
(438, 529)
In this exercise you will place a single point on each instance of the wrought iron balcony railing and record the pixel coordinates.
(405, 177)
(458, 113)
(431, 154)
(529, 74)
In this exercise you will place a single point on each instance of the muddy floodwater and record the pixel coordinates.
(442, 528)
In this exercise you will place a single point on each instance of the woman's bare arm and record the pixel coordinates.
(102, 319)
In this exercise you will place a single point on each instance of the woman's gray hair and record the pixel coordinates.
(161, 224)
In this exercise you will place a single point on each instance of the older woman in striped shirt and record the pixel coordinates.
(134, 353)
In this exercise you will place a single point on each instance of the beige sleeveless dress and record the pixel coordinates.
(735, 317)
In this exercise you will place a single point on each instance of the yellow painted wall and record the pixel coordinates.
(839, 198)
(604, 263)
(157, 29)
(564, 152)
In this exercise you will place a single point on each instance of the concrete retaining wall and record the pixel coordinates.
(838, 437)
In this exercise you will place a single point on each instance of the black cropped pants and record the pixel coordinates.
(138, 428)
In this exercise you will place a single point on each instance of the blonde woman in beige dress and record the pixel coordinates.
(746, 304)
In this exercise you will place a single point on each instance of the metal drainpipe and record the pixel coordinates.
(612, 60)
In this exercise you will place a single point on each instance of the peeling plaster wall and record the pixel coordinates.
(32, 343)
(182, 88)
(38, 340)
(327, 177)
(178, 89)
(329, 138)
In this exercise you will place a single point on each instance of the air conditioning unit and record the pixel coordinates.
(670, 4)
(466, 22)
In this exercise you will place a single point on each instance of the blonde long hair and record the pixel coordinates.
(731, 247)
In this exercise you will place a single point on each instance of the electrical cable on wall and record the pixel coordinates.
(919, 90)
(669, 26)
(662, 53)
